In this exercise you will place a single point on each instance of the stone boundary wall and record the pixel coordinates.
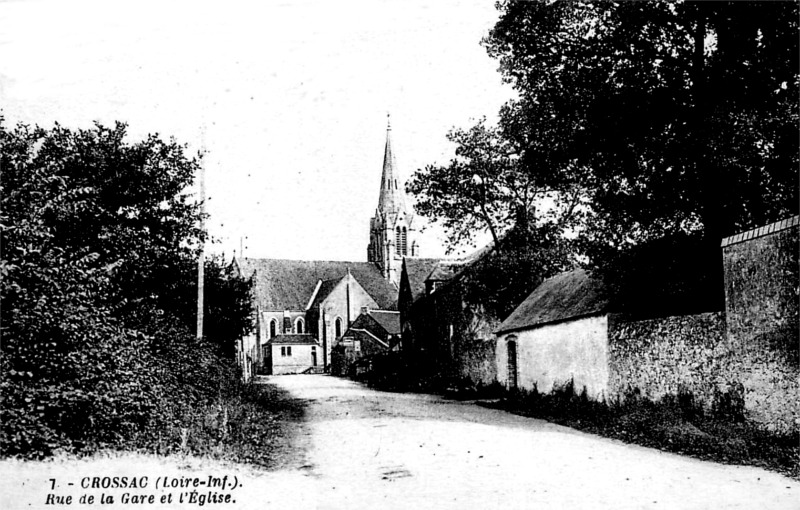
(666, 356)
(691, 353)
(475, 360)
(762, 287)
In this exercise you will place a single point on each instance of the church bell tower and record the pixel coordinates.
(392, 233)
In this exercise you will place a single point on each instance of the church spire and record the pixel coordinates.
(392, 230)
(392, 198)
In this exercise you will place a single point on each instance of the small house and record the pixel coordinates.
(558, 334)
(291, 354)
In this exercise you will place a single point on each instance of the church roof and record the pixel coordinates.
(417, 270)
(571, 295)
(325, 288)
(289, 284)
(392, 196)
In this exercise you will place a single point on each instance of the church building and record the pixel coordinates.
(313, 303)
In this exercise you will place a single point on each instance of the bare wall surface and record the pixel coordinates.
(554, 354)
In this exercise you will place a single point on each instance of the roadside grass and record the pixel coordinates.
(675, 423)
(197, 407)
(256, 425)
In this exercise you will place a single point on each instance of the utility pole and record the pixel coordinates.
(201, 261)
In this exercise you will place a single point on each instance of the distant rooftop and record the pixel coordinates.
(289, 284)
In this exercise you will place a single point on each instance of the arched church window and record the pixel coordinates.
(404, 240)
(338, 327)
(299, 325)
(273, 328)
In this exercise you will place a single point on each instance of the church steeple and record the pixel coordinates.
(392, 198)
(392, 230)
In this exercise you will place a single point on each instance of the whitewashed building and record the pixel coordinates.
(559, 333)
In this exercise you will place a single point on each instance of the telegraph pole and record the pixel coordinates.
(202, 257)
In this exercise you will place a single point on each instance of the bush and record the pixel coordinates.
(97, 285)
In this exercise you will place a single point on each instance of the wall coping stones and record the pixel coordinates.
(772, 228)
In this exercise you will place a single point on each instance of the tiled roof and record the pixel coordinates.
(762, 231)
(565, 296)
(289, 284)
(390, 321)
(294, 339)
(418, 270)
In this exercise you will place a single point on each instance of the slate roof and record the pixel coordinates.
(417, 271)
(325, 288)
(293, 339)
(390, 321)
(288, 284)
(772, 228)
(570, 295)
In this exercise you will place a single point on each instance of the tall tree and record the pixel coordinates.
(684, 113)
(486, 187)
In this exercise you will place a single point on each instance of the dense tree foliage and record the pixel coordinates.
(502, 279)
(682, 114)
(98, 290)
(487, 188)
(228, 306)
(673, 124)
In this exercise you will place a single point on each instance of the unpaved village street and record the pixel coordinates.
(364, 449)
(371, 450)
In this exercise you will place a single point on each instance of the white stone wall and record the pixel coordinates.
(553, 354)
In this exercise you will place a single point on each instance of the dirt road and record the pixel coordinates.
(363, 449)
(368, 449)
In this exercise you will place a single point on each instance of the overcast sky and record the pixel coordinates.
(294, 96)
